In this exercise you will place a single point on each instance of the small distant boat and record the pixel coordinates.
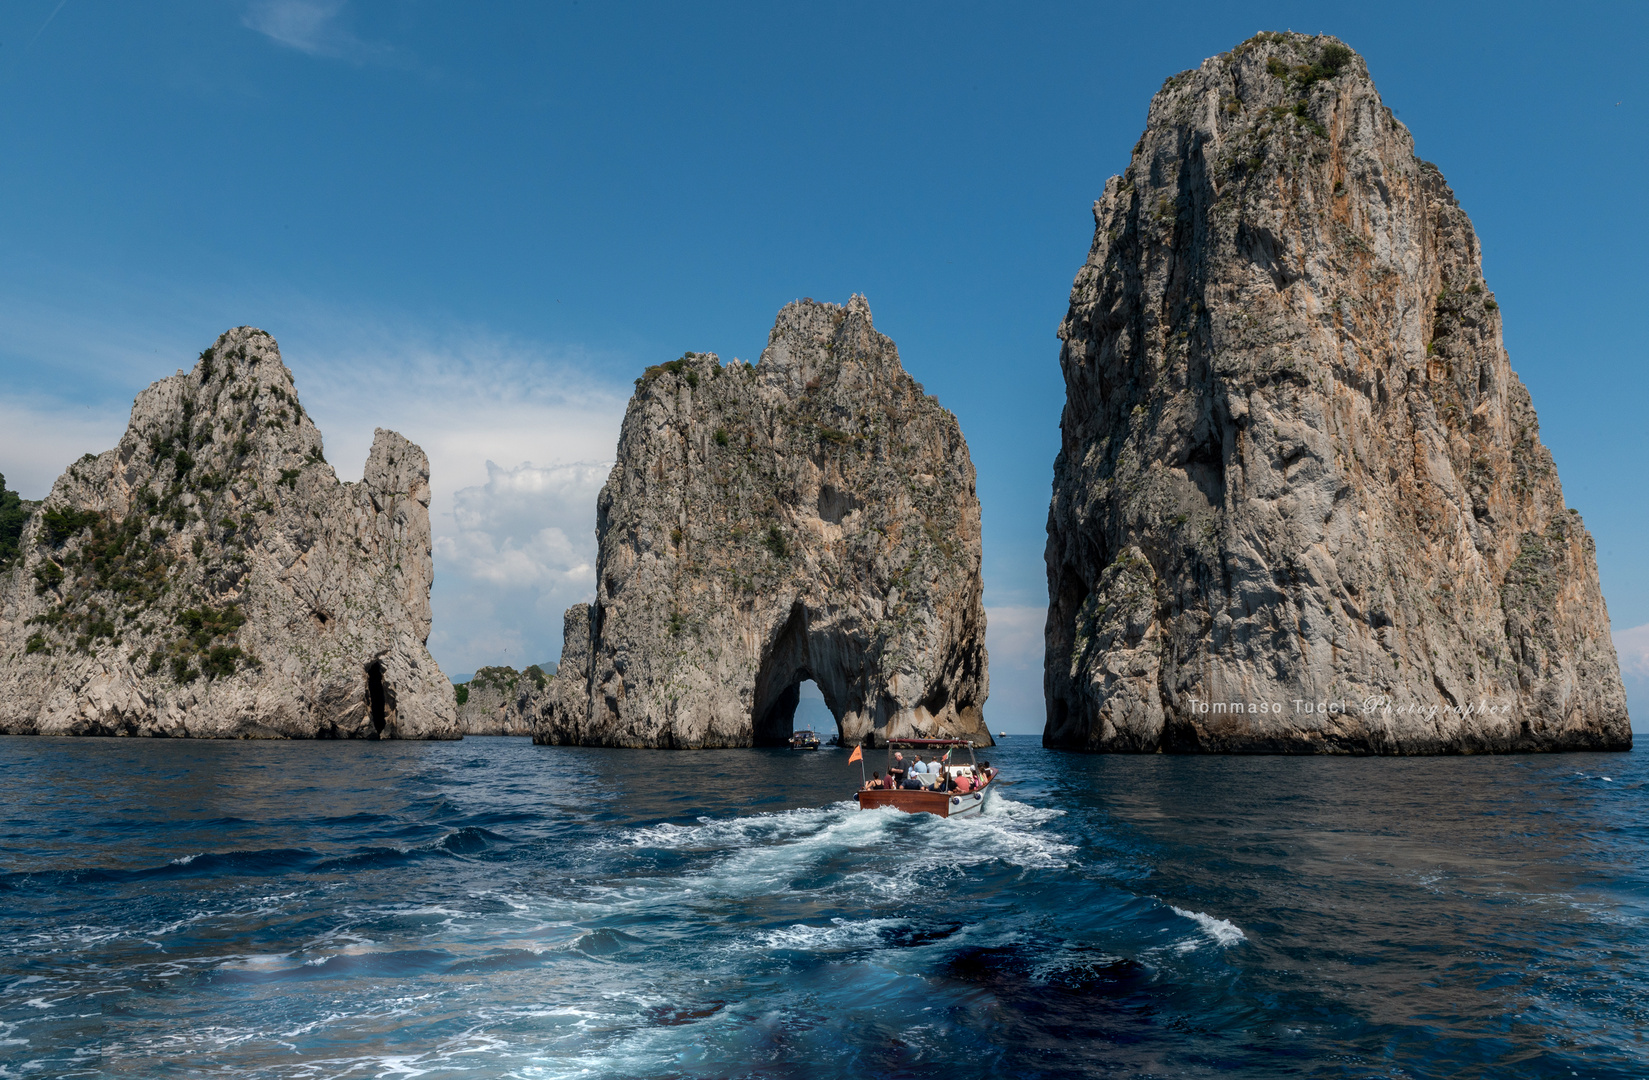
(942, 803)
(804, 739)
(1001, 734)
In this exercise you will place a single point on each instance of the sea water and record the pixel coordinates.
(494, 909)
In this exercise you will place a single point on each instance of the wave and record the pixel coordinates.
(760, 847)
(270, 862)
(1220, 931)
(840, 935)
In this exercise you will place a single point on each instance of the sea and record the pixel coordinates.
(490, 908)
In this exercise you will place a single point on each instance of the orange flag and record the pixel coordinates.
(857, 755)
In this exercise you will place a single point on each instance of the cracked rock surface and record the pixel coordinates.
(809, 516)
(210, 577)
(1301, 503)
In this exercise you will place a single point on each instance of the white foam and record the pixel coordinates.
(841, 934)
(1222, 932)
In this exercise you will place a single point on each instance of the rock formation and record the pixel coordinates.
(210, 576)
(810, 516)
(1301, 504)
(503, 701)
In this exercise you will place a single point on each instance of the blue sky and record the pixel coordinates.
(476, 223)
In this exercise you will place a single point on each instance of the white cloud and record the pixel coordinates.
(1632, 645)
(515, 552)
(1014, 637)
(514, 547)
(312, 27)
(40, 438)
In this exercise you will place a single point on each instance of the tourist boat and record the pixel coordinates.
(942, 803)
(804, 739)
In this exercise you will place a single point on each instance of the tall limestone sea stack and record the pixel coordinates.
(210, 577)
(809, 517)
(1301, 504)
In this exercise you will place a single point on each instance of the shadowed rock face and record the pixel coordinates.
(812, 516)
(210, 577)
(1297, 468)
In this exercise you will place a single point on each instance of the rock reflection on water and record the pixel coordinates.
(490, 908)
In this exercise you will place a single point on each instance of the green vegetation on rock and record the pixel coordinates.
(14, 514)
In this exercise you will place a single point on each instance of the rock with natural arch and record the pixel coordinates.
(811, 516)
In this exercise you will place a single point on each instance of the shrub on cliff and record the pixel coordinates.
(14, 514)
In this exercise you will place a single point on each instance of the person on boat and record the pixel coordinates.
(912, 780)
(897, 770)
(874, 782)
(964, 783)
(986, 771)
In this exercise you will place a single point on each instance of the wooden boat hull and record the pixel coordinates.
(943, 804)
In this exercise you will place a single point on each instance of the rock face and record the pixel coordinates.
(503, 701)
(1301, 504)
(210, 577)
(811, 516)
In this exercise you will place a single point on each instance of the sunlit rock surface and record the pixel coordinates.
(1301, 502)
(812, 516)
(210, 577)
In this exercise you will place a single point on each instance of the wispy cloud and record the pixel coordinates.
(1013, 634)
(40, 437)
(511, 426)
(513, 555)
(1632, 646)
(47, 23)
(514, 543)
(313, 27)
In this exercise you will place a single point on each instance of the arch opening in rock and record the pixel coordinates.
(799, 705)
(779, 689)
(777, 722)
(377, 697)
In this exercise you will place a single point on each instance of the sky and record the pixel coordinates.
(476, 223)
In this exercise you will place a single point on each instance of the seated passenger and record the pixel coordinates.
(912, 782)
(888, 781)
(965, 783)
(874, 782)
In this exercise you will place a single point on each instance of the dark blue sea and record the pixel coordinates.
(494, 909)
